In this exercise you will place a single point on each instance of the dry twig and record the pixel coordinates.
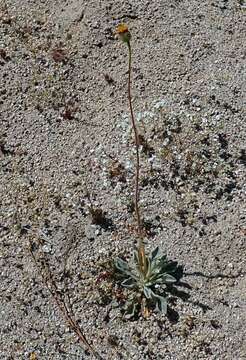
(57, 296)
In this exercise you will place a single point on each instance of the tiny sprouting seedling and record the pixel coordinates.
(146, 148)
(69, 111)
(148, 275)
(97, 214)
(149, 287)
(59, 55)
(130, 206)
(108, 79)
(117, 170)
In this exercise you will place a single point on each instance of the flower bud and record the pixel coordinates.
(123, 33)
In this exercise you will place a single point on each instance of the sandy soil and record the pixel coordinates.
(64, 130)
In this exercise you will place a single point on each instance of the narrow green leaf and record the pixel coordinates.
(131, 310)
(155, 253)
(161, 304)
(129, 283)
(168, 279)
(121, 264)
(147, 292)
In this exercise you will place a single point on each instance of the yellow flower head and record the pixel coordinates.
(123, 33)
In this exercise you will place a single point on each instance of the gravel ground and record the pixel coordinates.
(65, 134)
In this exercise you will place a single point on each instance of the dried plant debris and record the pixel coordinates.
(64, 306)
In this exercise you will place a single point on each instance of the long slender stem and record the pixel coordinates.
(139, 227)
(141, 247)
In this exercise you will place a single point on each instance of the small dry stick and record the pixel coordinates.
(125, 36)
(51, 286)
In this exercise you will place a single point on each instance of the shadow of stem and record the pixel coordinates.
(216, 276)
